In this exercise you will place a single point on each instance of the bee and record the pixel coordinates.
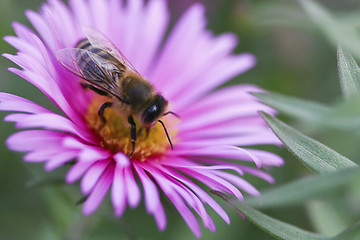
(107, 72)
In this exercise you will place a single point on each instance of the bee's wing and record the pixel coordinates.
(99, 40)
(93, 68)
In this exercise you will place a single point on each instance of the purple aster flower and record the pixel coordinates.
(185, 68)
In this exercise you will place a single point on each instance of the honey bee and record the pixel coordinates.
(107, 72)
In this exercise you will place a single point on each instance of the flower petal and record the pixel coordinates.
(9, 102)
(152, 198)
(178, 202)
(34, 139)
(118, 191)
(50, 121)
(133, 191)
(60, 159)
(99, 191)
(92, 176)
(77, 171)
(201, 193)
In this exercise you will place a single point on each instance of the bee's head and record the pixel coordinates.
(154, 110)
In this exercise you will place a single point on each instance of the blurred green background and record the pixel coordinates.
(294, 58)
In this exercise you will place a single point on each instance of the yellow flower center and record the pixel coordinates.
(114, 135)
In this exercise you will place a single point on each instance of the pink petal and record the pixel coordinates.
(9, 102)
(213, 181)
(40, 82)
(213, 116)
(34, 139)
(228, 152)
(50, 121)
(24, 32)
(77, 171)
(177, 163)
(87, 153)
(193, 201)
(132, 16)
(155, 23)
(236, 95)
(152, 198)
(118, 191)
(178, 203)
(60, 159)
(61, 21)
(241, 183)
(40, 155)
(267, 158)
(258, 173)
(92, 176)
(214, 77)
(41, 27)
(122, 160)
(255, 172)
(99, 191)
(160, 218)
(265, 137)
(132, 189)
(201, 193)
(186, 32)
(81, 11)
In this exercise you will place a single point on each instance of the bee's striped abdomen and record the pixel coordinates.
(83, 44)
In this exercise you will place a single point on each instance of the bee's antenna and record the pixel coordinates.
(172, 113)
(167, 134)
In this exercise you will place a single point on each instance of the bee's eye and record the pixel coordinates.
(151, 114)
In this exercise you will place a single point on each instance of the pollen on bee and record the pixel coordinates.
(114, 134)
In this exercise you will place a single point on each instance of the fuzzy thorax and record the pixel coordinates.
(114, 135)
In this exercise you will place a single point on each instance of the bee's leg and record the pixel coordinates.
(102, 110)
(132, 134)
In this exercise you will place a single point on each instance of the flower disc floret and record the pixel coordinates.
(114, 134)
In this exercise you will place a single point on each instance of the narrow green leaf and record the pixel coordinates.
(352, 233)
(343, 115)
(349, 73)
(326, 217)
(313, 154)
(279, 229)
(295, 107)
(304, 189)
(336, 31)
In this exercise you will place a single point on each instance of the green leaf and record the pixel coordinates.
(336, 31)
(327, 218)
(343, 115)
(304, 189)
(295, 107)
(349, 73)
(313, 154)
(273, 226)
(352, 233)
